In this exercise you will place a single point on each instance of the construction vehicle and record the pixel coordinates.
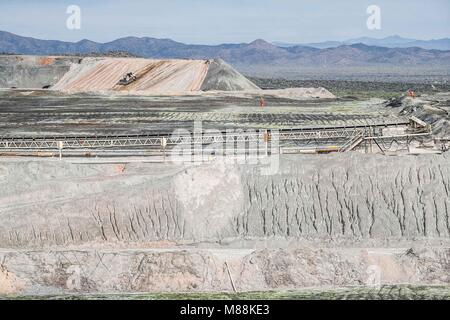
(127, 79)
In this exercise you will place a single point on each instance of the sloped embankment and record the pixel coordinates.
(33, 71)
(337, 220)
(103, 74)
(153, 76)
(338, 198)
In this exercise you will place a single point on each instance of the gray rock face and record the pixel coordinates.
(32, 72)
(329, 220)
(352, 198)
(120, 271)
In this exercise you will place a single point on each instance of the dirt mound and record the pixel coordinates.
(106, 74)
(223, 77)
(32, 71)
(289, 93)
(151, 76)
(137, 76)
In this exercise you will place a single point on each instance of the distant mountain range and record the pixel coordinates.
(388, 42)
(258, 52)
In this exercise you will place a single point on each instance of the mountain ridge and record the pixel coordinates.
(394, 41)
(257, 52)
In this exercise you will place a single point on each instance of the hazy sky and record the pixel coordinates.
(221, 21)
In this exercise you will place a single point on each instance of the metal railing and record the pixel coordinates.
(350, 134)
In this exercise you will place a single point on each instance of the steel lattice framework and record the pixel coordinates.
(124, 142)
(55, 143)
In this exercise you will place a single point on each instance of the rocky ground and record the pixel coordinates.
(37, 113)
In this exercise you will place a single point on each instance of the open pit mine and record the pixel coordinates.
(129, 175)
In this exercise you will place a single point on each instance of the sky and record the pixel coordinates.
(226, 21)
